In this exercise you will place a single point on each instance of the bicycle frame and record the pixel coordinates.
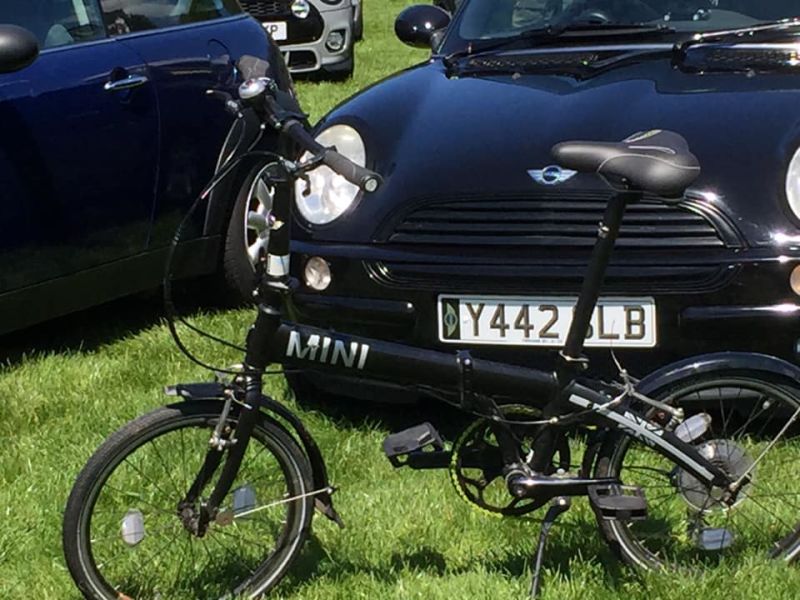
(271, 339)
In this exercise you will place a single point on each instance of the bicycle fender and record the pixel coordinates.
(720, 362)
(324, 501)
(193, 392)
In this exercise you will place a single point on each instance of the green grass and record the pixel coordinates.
(67, 385)
(379, 54)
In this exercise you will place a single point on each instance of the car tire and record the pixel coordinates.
(358, 24)
(341, 71)
(244, 237)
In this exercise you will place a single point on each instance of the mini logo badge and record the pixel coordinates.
(552, 175)
(450, 320)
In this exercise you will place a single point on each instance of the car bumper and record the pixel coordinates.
(747, 304)
(310, 56)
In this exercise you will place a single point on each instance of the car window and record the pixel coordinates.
(127, 16)
(55, 22)
(499, 18)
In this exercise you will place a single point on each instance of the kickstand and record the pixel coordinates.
(559, 506)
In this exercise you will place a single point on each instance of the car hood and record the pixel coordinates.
(434, 135)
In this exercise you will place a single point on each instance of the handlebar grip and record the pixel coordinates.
(367, 180)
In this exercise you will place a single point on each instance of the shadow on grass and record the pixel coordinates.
(316, 563)
(352, 413)
(89, 329)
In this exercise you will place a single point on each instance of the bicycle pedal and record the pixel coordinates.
(398, 446)
(618, 502)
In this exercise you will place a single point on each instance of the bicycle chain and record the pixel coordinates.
(461, 482)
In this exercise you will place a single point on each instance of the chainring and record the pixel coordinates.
(485, 487)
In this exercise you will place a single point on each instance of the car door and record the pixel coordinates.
(187, 56)
(78, 147)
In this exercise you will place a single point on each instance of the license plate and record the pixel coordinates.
(544, 321)
(277, 30)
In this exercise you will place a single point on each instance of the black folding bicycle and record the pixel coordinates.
(213, 496)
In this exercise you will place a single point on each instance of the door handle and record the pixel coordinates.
(127, 83)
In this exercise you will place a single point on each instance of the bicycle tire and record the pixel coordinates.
(270, 444)
(684, 547)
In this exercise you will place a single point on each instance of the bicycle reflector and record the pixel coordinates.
(133, 527)
(693, 428)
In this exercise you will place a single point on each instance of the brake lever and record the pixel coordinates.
(301, 170)
(232, 106)
(310, 164)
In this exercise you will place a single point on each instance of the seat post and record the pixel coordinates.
(607, 233)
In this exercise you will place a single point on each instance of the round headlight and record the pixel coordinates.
(793, 184)
(301, 9)
(329, 195)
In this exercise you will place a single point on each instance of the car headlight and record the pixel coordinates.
(793, 184)
(328, 195)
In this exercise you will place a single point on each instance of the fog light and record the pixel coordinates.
(301, 9)
(317, 274)
(335, 41)
(794, 280)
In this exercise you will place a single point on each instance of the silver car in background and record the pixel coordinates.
(314, 35)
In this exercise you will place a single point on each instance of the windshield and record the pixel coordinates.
(496, 19)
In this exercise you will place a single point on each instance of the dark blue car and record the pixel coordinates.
(107, 138)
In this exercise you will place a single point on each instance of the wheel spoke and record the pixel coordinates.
(256, 221)
(749, 445)
(264, 197)
(164, 562)
(256, 249)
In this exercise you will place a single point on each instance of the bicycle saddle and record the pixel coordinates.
(653, 161)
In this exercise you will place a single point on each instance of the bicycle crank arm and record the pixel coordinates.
(546, 488)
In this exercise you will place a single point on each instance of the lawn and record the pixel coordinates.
(67, 385)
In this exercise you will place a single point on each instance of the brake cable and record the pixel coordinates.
(172, 315)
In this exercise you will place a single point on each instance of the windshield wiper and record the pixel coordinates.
(775, 27)
(556, 32)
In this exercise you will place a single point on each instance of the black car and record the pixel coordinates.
(479, 240)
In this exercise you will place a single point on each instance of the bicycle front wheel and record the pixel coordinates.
(752, 436)
(125, 537)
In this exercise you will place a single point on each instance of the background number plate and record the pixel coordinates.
(278, 31)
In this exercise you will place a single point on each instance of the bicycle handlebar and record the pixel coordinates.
(259, 94)
(367, 180)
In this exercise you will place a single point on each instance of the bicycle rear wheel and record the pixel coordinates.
(689, 524)
(124, 537)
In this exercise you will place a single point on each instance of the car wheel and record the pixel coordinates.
(341, 71)
(248, 233)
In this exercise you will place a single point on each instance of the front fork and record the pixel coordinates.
(272, 284)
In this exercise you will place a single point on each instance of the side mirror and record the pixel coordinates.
(416, 25)
(18, 48)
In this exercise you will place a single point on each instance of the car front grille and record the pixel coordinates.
(264, 9)
(546, 239)
(557, 220)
